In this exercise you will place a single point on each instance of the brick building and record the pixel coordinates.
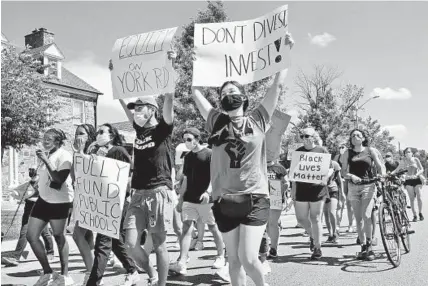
(79, 103)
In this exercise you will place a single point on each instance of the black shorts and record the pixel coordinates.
(413, 182)
(47, 211)
(332, 195)
(259, 215)
(311, 195)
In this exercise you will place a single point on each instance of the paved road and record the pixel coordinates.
(293, 267)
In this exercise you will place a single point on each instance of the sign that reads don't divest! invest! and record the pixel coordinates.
(100, 188)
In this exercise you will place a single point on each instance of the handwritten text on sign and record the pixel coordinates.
(141, 66)
(245, 51)
(309, 167)
(100, 188)
(277, 128)
(275, 194)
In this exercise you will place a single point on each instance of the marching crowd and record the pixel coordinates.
(225, 185)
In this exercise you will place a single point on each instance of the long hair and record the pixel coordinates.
(241, 89)
(364, 133)
(408, 149)
(117, 138)
(92, 134)
(59, 135)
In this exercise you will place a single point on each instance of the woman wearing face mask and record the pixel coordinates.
(53, 205)
(109, 144)
(84, 136)
(358, 161)
(413, 183)
(239, 172)
(310, 197)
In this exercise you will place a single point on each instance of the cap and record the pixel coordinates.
(147, 100)
(192, 130)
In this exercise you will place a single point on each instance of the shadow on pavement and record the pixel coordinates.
(34, 273)
(195, 280)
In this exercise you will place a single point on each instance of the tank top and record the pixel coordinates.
(360, 163)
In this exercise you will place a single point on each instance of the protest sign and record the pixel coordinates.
(100, 188)
(309, 167)
(245, 51)
(141, 66)
(291, 148)
(278, 125)
(275, 194)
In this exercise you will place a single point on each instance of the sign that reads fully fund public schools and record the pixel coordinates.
(245, 51)
(141, 66)
(309, 167)
(100, 188)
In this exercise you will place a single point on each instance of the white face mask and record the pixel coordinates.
(342, 151)
(141, 117)
(103, 139)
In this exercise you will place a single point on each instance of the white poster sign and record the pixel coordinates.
(141, 66)
(100, 189)
(309, 167)
(275, 194)
(244, 51)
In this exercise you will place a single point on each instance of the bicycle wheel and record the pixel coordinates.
(405, 237)
(389, 234)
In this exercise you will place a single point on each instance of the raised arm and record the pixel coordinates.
(128, 112)
(168, 108)
(202, 103)
(270, 101)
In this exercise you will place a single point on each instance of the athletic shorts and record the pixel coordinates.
(48, 211)
(151, 210)
(191, 211)
(258, 216)
(413, 182)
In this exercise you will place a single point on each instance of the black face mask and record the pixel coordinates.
(231, 102)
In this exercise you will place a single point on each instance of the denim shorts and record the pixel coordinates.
(361, 192)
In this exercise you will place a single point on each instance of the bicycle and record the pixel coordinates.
(394, 223)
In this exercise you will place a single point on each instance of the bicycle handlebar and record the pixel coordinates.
(389, 177)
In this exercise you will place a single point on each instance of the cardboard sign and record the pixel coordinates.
(291, 148)
(100, 189)
(309, 167)
(278, 125)
(141, 66)
(244, 51)
(275, 194)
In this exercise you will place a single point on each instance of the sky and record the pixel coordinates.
(381, 46)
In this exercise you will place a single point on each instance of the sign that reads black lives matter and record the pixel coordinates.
(100, 189)
(245, 51)
(309, 167)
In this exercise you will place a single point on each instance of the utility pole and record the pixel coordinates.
(358, 108)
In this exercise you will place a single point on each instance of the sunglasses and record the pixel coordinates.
(342, 147)
(101, 132)
(188, 139)
(305, 136)
(387, 156)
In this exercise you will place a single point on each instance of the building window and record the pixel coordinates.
(78, 112)
(52, 69)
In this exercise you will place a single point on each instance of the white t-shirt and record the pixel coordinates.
(60, 160)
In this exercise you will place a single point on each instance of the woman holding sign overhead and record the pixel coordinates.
(109, 144)
(53, 205)
(309, 197)
(239, 172)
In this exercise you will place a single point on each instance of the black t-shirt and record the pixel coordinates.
(197, 170)
(152, 156)
(318, 189)
(391, 166)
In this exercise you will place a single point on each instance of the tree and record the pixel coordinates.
(186, 113)
(378, 138)
(27, 104)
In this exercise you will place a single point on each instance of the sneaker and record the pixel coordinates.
(46, 279)
(421, 217)
(350, 229)
(266, 269)
(363, 254)
(370, 254)
(219, 262)
(152, 281)
(311, 244)
(62, 280)
(9, 261)
(273, 253)
(86, 278)
(329, 239)
(199, 246)
(131, 279)
(317, 254)
(178, 267)
(334, 239)
(415, 218)
(223, 273)
(374, 241)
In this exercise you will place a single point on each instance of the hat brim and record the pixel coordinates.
(132, 105)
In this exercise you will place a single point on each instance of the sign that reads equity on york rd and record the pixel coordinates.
(100, 188)
(309, 167)
(141, 66)
(245, 51)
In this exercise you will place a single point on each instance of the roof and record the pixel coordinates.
(123, 126)
(4, 38)
(42, 49)
(71, 80)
